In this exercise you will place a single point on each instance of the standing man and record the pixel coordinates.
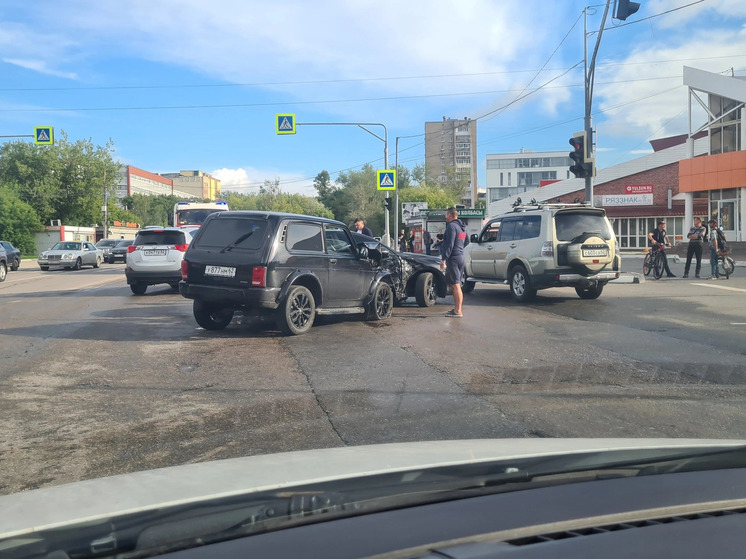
(361, 228)
(427, 240)
(696, 238)
(452, 258)
(714, 248)
(659, 238)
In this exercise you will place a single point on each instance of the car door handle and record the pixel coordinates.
(332, 261)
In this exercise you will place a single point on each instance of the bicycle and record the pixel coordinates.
(654, 262)
(726, 265)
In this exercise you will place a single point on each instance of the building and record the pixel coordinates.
(635, 194)
(511, 174)
(717, 177)
(138, 181)
(451, 148)
(196, 184)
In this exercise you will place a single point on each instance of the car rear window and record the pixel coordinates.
(237, 232)
(573, 224)
(160, 238)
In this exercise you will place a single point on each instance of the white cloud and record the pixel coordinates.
(675, 19)
(248, 180)
(41, 67)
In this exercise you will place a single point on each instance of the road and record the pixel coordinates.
(95, 381)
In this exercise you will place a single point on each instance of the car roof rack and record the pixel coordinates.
(519, 207)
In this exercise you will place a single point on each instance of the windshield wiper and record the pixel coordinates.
(237, 241)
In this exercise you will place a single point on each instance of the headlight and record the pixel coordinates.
(42, 256)
(68, 256)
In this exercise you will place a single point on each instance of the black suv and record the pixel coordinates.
(14, 255)
(290, 266)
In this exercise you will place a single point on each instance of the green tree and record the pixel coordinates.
(63, 181)
(271, 198)
(18, 222)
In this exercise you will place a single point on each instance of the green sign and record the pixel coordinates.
(441, 214)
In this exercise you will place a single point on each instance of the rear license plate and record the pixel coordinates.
(595, 252)
(155, 252)
(222, 271)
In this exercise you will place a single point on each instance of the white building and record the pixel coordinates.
(511, 174)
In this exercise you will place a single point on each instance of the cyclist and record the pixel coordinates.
(659, 238)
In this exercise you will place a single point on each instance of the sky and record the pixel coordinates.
(188, 84)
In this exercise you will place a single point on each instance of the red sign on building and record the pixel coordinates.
(639, 189)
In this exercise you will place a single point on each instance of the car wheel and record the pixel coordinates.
(44, 268)
(3, 271)
(296, 313)
(174, 285)
(138, 288)
(467, 286)
(592, 292)
(16, 264)
(212, 317)
(425, 290)
(78, 264)
(97, 263)
(382, 303)
(520, 284)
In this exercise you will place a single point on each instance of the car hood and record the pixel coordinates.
(59, 506)
(421, 259)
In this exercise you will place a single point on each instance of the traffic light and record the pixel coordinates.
(388, 203)
(584, 165)
(625, 8)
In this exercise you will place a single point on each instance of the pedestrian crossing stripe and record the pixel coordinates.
(285, 124)
(43, 135)
(386, 179)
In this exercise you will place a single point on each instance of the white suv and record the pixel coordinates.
(545, 245)
(155, 257)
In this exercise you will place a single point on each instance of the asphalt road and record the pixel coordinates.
(95, 381)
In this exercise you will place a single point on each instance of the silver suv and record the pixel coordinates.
(155, 257)
(541, 246)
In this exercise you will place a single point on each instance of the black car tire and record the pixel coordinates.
(425, 290)
(174, 285)
(97, 263)
(211, 317)
(382, 304)
(138, 288)
(3, 271)
(467, 286)
(44, 268)
(78, 264)
(16, 264)
(520, 284)
(296, 314)
(592, 292)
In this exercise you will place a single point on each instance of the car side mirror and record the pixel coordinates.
(474, 238)
(363, 251)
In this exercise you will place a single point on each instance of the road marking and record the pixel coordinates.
(721, 287)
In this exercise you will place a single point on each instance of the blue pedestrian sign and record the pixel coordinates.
(386, 179)
(43, 135)
(285, 124)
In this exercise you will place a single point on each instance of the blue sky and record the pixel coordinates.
(190, 84)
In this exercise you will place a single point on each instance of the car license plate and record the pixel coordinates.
(222, 271)
(155, 252)
(595, 252)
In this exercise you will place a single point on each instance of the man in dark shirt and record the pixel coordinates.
(452, 257)
(361, 228)
(696, 238)
(659, 238)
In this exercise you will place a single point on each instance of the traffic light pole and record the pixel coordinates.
(589, 76)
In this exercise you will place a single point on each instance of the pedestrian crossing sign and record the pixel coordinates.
(43, 135)
(386, 179)
(285, 124)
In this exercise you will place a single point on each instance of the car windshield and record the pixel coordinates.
(66, 246)
(184, 182)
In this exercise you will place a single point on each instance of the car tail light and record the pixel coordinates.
(184, 270)
(258, 276)
(547, 249)
(132, 248)
(181, 248)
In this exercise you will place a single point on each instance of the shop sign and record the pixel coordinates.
(639, 189)
(627, 200)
